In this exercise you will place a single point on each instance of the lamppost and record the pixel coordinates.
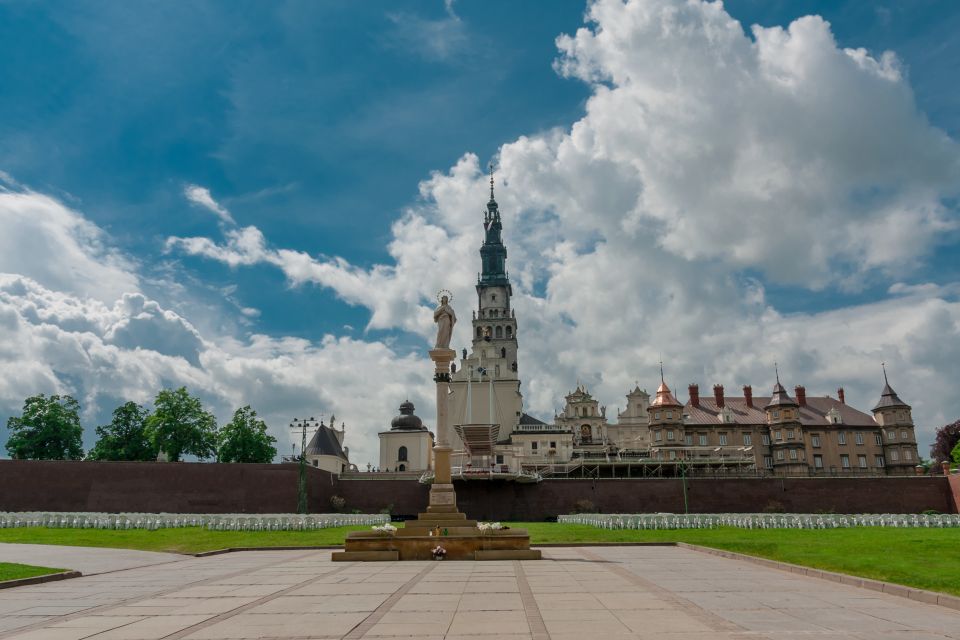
(302, 476)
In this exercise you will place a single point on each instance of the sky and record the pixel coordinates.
(259, 200)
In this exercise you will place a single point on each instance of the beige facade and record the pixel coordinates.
(408, 445)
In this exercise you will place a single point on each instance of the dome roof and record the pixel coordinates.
(407, 421)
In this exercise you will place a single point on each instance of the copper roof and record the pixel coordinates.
(814, 414)
(664, 397)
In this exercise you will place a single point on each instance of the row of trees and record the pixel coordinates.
(50, 429)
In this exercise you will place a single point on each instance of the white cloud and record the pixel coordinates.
(704, 154)
(53, 244)
(201, 196)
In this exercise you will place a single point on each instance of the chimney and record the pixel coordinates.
(801, 392)
(840, 395)
(718, 395)
(694, 391)
(748, 395)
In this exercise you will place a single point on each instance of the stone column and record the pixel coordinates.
(442, 497)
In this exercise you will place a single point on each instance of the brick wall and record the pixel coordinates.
(272, 488)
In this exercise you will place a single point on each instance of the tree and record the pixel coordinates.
(245, 439)
(179, 425)
(49, 429)
(947, 438)
(956, 453)
(125, 438)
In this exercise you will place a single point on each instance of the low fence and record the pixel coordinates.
(213, 522)
(761, 520)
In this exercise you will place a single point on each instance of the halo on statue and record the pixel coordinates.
(444, 292)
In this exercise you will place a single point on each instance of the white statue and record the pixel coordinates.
(445, 319)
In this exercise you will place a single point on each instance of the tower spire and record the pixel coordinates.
(490, 166)
(776, 370)
(661, 368)
(884, 366)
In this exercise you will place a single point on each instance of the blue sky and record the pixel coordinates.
(317, 122)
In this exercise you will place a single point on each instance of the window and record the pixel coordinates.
(747, 439)
(768, 462)
(402, 454)
(789, 434)
(878, 438)
(878, 461)
(842, 437)
(845, 461)
(656, 416)
(670, 436)
(793, 454)
(815, 440)
(499, 331)
(862, 461)
(669, 415)
(402, 467)
(818, 461)
(688, 439)
(534, 446)
(703, 439)
(859, 437)
(892, 435)
(658, 436)
(553, 444)
(766, 439)
(776, 414)
(673, 454)
(723, 439)
(777, 435)
(780, 454)
(907, 454)
(499, 459)
(894, 455)
(479, 332)
(904, 435)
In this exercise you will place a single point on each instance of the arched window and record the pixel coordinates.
(499, 332)
(503, 352)
(402, 467)
(479, 332)
(509, 331)
(402, 455)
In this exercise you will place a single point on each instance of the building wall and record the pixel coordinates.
(418, 444)
(272, 488)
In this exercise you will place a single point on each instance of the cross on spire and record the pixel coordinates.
(776, 370)
(883, 365)
(661, 367)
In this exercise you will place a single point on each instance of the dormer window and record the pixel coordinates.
(833, 416)
(726, 415)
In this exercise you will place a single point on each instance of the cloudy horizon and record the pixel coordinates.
(677, 182)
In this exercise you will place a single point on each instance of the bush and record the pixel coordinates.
(584, 506)
(775, 506)
(338, 503)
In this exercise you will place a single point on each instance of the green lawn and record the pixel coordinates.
(924, 558)
(11, 571)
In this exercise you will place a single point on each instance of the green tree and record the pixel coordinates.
(125, 438)
(956, 453)
(49, 429)
(179, 425)
(245, 439)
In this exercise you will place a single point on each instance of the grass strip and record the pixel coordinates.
(12, 571)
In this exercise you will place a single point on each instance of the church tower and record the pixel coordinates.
(486, 386)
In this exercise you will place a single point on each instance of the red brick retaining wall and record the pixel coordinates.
(27, 485)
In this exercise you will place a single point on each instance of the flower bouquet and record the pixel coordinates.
(438, 552)
(386, 529)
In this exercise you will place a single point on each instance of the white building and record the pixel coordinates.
(408, 445)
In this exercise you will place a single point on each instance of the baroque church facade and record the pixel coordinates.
(654, 436)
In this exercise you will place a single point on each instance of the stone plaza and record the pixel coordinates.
(574, 592)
